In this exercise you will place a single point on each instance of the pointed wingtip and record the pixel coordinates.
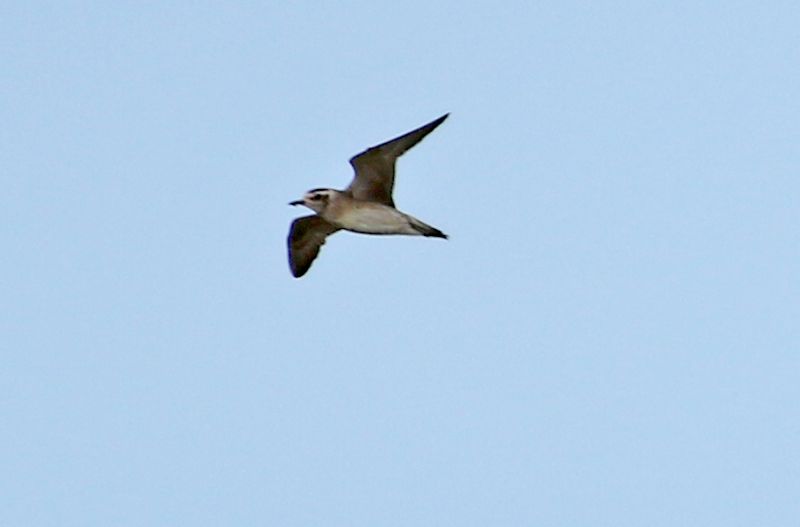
(435, 124)
(431, 126)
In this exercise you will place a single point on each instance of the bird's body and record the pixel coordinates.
(369, 217)
(366, 206)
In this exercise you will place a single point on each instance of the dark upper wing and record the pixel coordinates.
(306, 236)
(374, 179)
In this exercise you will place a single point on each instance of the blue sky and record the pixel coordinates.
(609, 337)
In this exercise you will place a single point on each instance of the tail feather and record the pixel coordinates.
(425, 229)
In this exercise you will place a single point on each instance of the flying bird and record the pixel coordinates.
(365, 206)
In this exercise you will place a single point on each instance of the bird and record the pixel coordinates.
(365, 206)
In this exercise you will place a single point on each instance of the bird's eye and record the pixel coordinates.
(316, 197)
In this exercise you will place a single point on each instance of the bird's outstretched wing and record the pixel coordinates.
(306, 236)
(374, 167)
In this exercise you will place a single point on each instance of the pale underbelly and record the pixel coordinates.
(383, 220)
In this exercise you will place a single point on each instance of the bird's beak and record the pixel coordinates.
(298, 202)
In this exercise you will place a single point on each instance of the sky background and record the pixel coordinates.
(610, 337)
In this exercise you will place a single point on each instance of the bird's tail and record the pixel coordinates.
(425, 229)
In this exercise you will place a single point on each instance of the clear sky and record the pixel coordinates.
(610, 337)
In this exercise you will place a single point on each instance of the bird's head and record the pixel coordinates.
(316, 199)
